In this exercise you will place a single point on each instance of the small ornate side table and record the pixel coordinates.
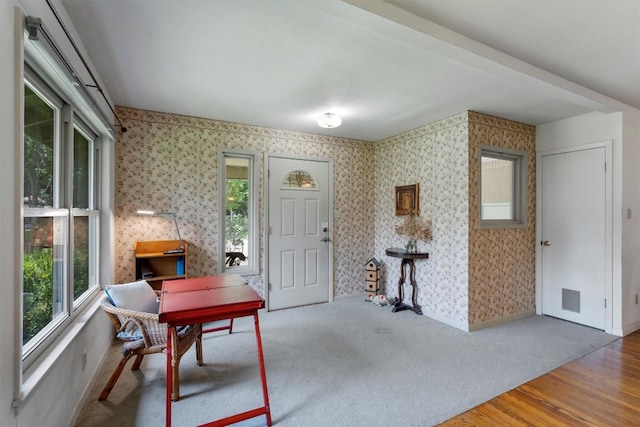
(407, 259)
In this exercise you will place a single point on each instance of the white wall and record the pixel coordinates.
(630, 232)
(8, 211)
(623, 129)
(57, 391)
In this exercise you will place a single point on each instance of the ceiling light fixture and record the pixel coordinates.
(329, 120)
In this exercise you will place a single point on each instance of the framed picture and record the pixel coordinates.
(408, 199)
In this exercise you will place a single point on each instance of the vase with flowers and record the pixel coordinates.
(415, 228)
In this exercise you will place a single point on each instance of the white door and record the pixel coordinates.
(574, 238)
(298, 233)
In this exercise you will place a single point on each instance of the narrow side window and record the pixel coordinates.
(238, 249)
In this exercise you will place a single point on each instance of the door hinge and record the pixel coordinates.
(269, 231)
(605, 303)
(269, 286)
(605, 166)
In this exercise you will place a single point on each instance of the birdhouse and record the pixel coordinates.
(371, 278)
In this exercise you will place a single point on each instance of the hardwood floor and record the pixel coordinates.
(599, 389)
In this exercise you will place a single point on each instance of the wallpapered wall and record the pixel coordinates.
(501, 262)
(472, 276)
(169, 162)
(436, 156)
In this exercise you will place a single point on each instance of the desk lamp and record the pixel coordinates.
(179, 249)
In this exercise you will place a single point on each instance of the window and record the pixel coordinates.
(238, 248)
(299, 180)
(60, 212)
(502, 192)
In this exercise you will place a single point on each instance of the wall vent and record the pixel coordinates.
(571, 300)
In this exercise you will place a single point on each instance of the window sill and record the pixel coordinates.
(45, 362)
(500, 225)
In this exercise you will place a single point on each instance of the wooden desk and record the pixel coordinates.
(407, 259)
(207, 299)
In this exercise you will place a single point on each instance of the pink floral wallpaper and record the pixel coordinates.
(169, 162)
(436, 156)
(472, 276)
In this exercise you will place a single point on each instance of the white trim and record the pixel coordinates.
(19, 235)
(463, 326)
(627, 329)
(608, 146)
(254, 211)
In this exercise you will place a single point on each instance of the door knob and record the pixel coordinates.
(325, 239)
(546, 243)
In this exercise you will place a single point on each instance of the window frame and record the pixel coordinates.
(66, 119)
(92, 211)
(253, 267)
(518, 187)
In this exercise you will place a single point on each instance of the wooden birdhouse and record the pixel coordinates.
(371, 278)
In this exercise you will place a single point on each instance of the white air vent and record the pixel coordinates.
(571, 300)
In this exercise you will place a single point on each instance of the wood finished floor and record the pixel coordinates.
(599, 389)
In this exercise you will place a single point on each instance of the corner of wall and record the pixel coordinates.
(501, 261)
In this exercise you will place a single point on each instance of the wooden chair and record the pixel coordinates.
(154, 340)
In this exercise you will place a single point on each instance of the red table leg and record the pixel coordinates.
(169, 378)
(263, 374)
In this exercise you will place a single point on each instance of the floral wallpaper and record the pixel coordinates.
(436, 156)
(169, 162)
(472, 276)
(502, 261)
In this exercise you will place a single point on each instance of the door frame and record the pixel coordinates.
(608, 146)
(332, 234)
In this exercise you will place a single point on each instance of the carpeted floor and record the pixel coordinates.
(350, 363)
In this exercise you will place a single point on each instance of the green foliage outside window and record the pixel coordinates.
(238, 197)
(80, 272)
(37, 292)
(38, 270)
(236, 228)
(237, 218)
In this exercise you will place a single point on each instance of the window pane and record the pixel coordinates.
(39, 131)
(497, 188)
(81, 170)
(299, 179)
(81, 277)
(237, 210)
(43, 273)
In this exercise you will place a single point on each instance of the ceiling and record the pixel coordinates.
(385, 66)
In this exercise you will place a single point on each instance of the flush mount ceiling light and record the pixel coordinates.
(329, 120)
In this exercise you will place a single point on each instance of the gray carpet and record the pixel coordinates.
(350, 363)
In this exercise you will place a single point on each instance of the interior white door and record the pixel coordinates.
(573, 231)
(299, 237)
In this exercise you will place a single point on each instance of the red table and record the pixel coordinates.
(207, 299)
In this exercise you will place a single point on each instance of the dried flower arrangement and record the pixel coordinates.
(415, 228)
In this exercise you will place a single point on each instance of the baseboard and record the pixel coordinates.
(348, 297)
(435, 316)
(500, 320)
(628, 329)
